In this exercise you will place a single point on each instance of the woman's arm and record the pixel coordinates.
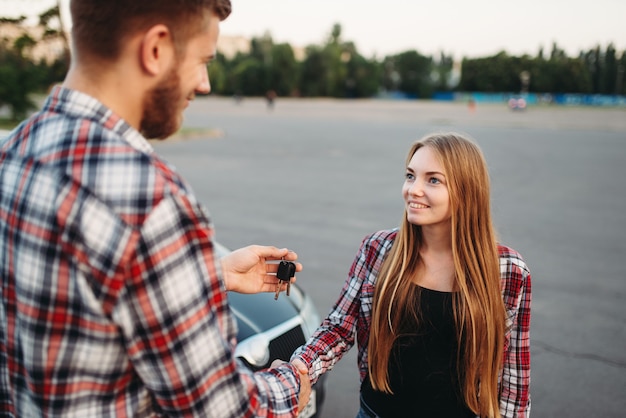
(336, 335)
(515, 378)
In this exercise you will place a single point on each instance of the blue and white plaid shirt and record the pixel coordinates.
(112, 302)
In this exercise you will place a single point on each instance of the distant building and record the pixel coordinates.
(229, 46)
(45, 49)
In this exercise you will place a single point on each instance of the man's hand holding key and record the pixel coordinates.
(253, 269)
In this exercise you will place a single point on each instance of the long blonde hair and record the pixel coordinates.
(478, 306)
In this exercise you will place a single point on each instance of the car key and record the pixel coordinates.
(286, 270)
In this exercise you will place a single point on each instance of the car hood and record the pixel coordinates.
(257, 313)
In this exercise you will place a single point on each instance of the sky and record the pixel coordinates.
(461, 28)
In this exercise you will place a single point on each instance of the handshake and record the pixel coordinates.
(305, 381)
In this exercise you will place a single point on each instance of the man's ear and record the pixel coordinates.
(157, 50)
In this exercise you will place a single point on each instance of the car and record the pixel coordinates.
(517, 103)
(270, 329)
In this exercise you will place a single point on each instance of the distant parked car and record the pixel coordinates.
(517, 103)
(271, 329)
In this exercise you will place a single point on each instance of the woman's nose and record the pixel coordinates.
(416, 189)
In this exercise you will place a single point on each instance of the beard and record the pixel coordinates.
(161, 117)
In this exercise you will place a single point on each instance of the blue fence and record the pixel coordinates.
(535, 98)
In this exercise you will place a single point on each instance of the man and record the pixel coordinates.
(112, 301)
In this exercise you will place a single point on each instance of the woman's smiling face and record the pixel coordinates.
(425, 190)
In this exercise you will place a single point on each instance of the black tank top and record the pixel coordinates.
(423, 366)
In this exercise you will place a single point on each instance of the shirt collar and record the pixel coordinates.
(81, 105)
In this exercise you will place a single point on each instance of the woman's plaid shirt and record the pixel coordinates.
(351, 317)
(112, 303)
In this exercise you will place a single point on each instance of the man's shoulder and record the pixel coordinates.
(97, 158)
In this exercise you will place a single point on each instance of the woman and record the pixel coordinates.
(440, 310)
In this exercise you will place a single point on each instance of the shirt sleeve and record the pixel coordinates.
(336, 335)
(515, 378)
(178, 328)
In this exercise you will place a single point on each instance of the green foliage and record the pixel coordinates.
(363, 78)
(251, 77)
(18, 78)
(23, 43)
(492, 74)
(593, 72)
(335, 68)
(410, 73)
(218, 75)
(17, 21)
(283, 71)
(605, 69)
(620, 84)
(442, 72)
(311, 82)
(49, 15)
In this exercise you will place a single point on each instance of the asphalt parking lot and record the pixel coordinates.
(318, 175)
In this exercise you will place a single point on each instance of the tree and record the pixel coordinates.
(501, 73)
(324, 70)
(364, 76)
(442, 73)
(336, 54)
(17, 80)
(250, 77)
(54, 27)
(598, 71)
(20, 77)
(284, 70)
(610, 71)
(557, 53)
(218, 75)
(311, 70)
(571, 76)
(409, 72)
(620, 87)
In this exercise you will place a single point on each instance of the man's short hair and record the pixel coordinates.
(99, 28)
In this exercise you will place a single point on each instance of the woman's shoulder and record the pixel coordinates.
(375, 246)
(514, 274)
(508, 255)
(373, 250)
(381, 237)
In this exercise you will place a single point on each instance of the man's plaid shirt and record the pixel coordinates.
(352, 314)
(112, 303)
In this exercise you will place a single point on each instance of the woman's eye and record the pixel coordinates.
(434, 180)
(409, 176)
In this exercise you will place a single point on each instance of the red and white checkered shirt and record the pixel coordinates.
(352, 314)
(112, 303)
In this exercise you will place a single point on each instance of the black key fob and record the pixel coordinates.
(286, 270)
